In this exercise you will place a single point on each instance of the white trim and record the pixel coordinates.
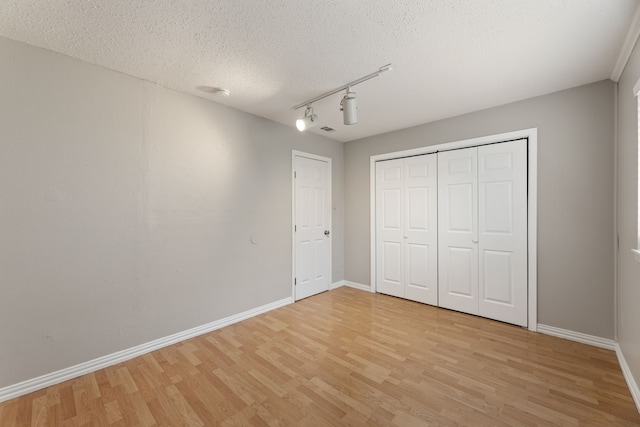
(532, 180)
(636, 88)
(636, 254)
(628, 376)
(336, 285)
(577, 336)
(47, 380)
(293, 225)
(637, 95)
(471, 142)
(616, 233)
(627, 47)
(532, 229)
(372, 222)
(359, 286)
(294, 154)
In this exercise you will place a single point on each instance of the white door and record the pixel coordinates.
(406, 228)
(421, 229)
(502, 231)
(312, 214)
(482, 208)
(458, 230)
(390, 227)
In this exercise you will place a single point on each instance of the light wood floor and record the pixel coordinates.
(347, 358)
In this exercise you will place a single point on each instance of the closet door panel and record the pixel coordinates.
(502, 184)
(421, 228)
(458, 230)
(390, 227)
(460, 271)
(392, 266)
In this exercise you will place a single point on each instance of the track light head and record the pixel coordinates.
(309, 120)
(349, 108)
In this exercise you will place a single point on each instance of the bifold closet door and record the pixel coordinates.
(482, 209)
(406, 228)
(390, 227)
(502, 232)
(458, 230)
(421, 228)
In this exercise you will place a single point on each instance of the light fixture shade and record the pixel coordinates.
(349, 109)
(307, 122)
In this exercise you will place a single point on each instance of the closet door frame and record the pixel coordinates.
(531, 135)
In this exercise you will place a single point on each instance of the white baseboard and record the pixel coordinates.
(602, 343)
(357, 286)
(47, 380)
(628, 376)
(336, 285)
(577, 336)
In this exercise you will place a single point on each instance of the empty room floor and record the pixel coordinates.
(347, 358)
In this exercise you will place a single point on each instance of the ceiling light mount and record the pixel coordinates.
(310, 119)
(215, 91)
(347, 105)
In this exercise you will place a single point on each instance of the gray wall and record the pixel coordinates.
(627, 215)
(575, 197)
(127, 209)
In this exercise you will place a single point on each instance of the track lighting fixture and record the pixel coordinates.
(349, 108)
(309, 120)
(348, 104)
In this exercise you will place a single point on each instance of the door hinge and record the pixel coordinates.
(295, 228)
(295, 281)
(295, 174)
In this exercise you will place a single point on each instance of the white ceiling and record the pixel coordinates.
(450, 56)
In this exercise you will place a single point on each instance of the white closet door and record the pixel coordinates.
(421, 229)
(389, 227)
(458, 230)
(502, 186)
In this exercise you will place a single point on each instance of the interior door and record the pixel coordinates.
(458, 230)
(502, 186)
(406, 228)
(421, 229)
(390, 227)
(312, 226)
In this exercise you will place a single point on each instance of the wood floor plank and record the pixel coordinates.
(39, 411)
(347, 358)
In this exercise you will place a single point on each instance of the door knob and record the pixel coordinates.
(474, 240)
(406, 237)
(327, 232)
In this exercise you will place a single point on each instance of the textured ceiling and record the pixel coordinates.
(450, 56)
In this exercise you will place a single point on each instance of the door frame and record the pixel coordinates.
(294, 154)
(532, 203)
